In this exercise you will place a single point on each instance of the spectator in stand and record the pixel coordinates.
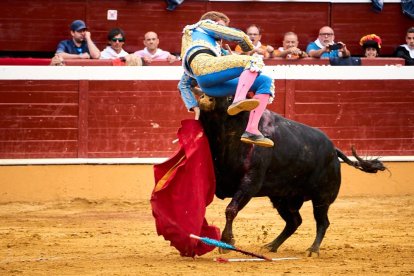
(261, 50)
(116, 40)
(406, 51)
(151, 52)
(172, 4)
(290, 48)
(371, 44)
(80, 46)
(325, 47)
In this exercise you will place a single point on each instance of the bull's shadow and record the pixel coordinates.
(303, 165)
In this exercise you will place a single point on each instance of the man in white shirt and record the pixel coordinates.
(116, 40)
(151, 52)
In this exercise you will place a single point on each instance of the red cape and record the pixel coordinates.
(184, 186)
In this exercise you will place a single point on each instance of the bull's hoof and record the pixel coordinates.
(243, 105)
(312, 254)
(270, 247)
(225, 251)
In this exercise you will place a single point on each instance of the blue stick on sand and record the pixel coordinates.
(232, 260)
(223, 245)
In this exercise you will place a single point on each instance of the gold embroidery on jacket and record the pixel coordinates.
(204, 64)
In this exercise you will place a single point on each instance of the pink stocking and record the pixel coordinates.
(246, 80)
(256, 114)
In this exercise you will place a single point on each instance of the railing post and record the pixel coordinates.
(83, 119)
(290, 99)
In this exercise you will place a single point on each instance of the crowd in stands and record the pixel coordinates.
(81, 46)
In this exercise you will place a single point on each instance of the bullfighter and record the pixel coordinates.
(219, 73)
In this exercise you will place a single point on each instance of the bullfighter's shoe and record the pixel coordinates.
(243, 105)
(256, 139)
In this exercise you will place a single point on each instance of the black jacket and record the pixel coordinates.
(403, 53)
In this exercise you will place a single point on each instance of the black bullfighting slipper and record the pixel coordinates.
(256, 139)
(243, 105)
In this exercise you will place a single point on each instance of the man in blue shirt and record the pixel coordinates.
(325, 47)
(80, 46)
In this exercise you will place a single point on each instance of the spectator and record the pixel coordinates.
(116, 40)
(406, 51)
(151, 52)
(80, 46)
(220, 76)
(325, 47)
(290, 48)
(263, 51)
(371, 44)
(172, 4)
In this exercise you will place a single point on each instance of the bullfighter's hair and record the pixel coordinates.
(215, 16)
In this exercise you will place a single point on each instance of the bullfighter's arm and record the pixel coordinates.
(184, 86)
(227, 33)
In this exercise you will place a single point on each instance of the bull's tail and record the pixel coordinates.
(369, 166)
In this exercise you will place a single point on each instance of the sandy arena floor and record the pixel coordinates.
(367, 236)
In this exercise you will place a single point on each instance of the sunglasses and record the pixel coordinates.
(115, 39)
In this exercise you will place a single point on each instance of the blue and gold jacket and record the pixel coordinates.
(206, 34)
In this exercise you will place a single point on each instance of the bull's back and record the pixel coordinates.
(298, 164)
(303, 159)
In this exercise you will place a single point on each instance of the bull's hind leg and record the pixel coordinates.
(289, 211)
(320, 212)
(239, 200)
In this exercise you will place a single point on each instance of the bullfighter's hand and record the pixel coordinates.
(197, 112)
(227, 47)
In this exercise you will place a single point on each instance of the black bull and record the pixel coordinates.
(302, 166)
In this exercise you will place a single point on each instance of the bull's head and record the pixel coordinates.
(220, 104)
(206, 103)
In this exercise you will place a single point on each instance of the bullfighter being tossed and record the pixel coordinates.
(220, 74)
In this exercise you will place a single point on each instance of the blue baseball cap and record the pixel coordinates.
(77, 25)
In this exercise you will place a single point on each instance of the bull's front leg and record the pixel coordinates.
(239, 200)
(231, 213)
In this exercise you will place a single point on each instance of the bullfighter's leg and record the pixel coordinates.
(289, 211)
(240, 103)
(221, 76)
(252, 135)
(252, 69)
(213, 73)
(320, 212)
